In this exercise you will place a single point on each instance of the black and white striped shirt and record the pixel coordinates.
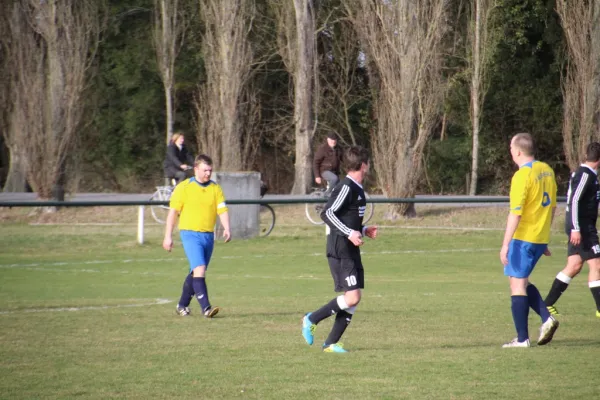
(582, 200)
(343, 214)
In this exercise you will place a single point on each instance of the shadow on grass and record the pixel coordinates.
(573, 343)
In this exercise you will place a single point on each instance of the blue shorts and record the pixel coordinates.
(198, 247)
(522, 257)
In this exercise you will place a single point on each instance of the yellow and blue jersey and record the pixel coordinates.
(198, 204)
(533, 197)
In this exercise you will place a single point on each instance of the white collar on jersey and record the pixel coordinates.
(349, 177)
(590, 168)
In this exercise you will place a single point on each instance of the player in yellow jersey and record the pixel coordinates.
(198, 201)
(532, 207)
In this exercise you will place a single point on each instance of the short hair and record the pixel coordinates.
(354, 157)
(592, 152)
(176, 136)
(525, 143)
(203, 159)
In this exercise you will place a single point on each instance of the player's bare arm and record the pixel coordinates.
(371, 232)
(224, 218)
(169, 225)
(356, 238)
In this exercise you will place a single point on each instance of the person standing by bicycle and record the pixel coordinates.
(179, 161)
(327, 162)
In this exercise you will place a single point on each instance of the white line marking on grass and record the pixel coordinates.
(58, 264)
(80, 224)
(72, 309)
(41, 266)
(447, 228)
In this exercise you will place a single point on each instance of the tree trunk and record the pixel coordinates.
(476, 95)
(304, 84)
(405, 76)
(170, 112)
(16, 180)
(229, 58)
(581, 96)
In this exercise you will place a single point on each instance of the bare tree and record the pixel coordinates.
(342, 80)
(297, 47)
(23, 63)
(220, 106)
(52, 44)
(402, 43)
(480, 51)
(5, 85)
(169, 32)
(581, 82)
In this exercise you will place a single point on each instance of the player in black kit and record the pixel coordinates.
(580, 225)
(343, 215)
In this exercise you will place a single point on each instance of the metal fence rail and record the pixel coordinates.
(272, 200)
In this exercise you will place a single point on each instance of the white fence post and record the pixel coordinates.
(140, 231)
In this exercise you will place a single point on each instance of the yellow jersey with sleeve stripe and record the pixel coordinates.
(533, 197)
(198, 204)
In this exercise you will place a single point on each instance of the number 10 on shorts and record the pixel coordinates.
(351, 280)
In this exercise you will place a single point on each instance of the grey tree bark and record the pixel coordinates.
(52, 46)
(304, 94)
(169, 33)
(220, 113)
(581, 82)
(402, 43)
(480, 43)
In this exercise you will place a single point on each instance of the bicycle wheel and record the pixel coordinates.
(369, 210)
(313, 210)
(266, 220)
(160, 212)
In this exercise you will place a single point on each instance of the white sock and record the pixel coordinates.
(564, 278)
(342, 302)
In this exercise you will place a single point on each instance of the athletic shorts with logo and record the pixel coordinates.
(522, 258)
(345, 264)
(589, 247)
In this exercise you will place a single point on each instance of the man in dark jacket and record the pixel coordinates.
(178, 162)
(327, 162)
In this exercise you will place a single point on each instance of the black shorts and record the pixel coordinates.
(348, 273)
(588, 248)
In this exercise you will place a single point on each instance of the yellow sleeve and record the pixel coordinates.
(518, 192)
(220, 197)
(177, 198)
(553, 194)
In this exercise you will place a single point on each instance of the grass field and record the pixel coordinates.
(86, 313)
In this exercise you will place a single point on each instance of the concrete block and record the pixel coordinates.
(244, 218)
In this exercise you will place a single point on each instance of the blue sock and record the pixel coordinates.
(187, 292)
(536, 302)
(201, 293)
(520, 312)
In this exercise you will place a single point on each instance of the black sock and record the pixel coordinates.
(326, 311)
(201, 292)
(557, 289)
(536, 303)
(596, 294)
(187, 292)
(342, 320)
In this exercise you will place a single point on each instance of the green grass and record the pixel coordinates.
(87, 313)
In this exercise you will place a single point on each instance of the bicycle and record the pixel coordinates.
(163, 193)
(160, 212)
(266, 220)
(266, 216)
(313, 210)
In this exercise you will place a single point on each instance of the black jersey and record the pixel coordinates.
(343, 214)
(582, 201)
